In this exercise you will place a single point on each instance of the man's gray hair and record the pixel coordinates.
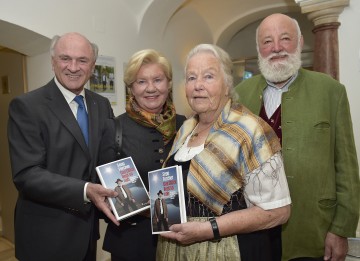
(56, 38)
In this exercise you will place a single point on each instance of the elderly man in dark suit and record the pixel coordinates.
(161, 212)
(57, 135)
(124, 198)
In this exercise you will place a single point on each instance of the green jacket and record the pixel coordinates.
(319, 157)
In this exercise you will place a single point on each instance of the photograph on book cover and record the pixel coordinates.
(167, 204)
(123, 177)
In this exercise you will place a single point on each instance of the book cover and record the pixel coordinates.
(123, 177)
(167, 202)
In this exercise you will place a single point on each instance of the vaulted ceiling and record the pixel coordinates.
(223, 20)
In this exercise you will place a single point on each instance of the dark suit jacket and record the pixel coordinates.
(157, 212)
(50, 165)
(120, 196)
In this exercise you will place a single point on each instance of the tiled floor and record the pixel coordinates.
(7, 252)
(354, 249)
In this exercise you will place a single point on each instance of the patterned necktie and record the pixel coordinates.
(82, 117)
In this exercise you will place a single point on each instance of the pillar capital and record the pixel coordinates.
(322, 11)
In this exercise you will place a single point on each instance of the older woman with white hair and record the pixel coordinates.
(228, 156)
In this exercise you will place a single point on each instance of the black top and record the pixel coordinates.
(146, 147)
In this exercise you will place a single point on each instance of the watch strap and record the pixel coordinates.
(215, 228)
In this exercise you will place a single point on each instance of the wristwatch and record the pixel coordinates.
(215, 229)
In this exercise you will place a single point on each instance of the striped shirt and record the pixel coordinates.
(272, 95)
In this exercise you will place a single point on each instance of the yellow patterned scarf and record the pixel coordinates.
(164, 122)
(238, 143)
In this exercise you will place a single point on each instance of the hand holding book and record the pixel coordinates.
(123, 177)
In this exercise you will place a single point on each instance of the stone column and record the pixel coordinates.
(324, 14)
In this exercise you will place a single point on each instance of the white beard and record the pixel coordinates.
(282, 70)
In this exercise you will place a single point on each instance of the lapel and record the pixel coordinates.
(93, 114)
(58, 105)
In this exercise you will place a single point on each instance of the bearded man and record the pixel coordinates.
(310, 113)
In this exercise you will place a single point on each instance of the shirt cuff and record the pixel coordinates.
(86, 200)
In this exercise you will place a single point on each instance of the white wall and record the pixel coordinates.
(110, 24)
(349, 52)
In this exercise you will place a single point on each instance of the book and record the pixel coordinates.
(122, 176)
(167, 202)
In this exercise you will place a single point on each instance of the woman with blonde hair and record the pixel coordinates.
(146, 132)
